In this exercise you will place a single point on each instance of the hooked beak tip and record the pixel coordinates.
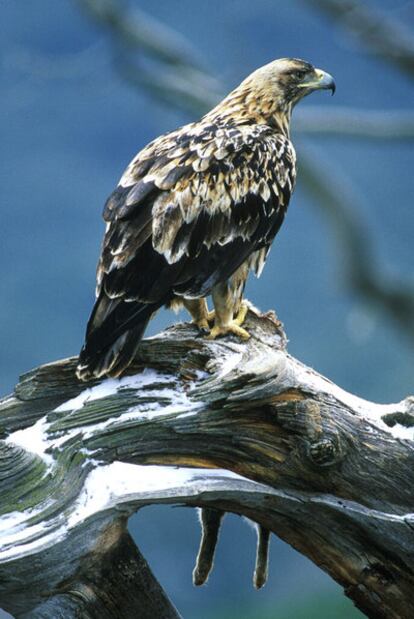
(325, 81)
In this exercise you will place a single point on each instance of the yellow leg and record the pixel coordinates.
(241, 314)
(224, 322)
(198, 310)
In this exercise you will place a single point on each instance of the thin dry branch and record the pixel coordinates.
(383, 35)
(152, 56)
(179, 77)
(341, 202)
(355, 122)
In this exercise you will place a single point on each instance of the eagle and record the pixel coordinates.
(195, 211)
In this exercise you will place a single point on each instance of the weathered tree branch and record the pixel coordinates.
(239, 427)
(113, 581)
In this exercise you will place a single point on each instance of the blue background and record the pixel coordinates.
(70, 124)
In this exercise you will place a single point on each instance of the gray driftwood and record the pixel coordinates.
(239, 427)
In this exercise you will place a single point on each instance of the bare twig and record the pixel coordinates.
(140, 42)
(354, 122)
(380, 33)
(339, 199)
(185, 92)
(140, 31)
(181, 80)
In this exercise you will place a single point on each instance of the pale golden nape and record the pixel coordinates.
(196, 211)
(269, 93)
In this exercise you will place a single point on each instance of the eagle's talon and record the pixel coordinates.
(241, 315)
(231, 329)
(211, 316)
(202, 326)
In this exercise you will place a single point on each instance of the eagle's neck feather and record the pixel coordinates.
(252, 107)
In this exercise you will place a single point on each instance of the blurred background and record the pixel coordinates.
(86, 84)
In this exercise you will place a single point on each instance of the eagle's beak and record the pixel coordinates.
(320, 80)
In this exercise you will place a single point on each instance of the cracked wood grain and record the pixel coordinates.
(223, 425)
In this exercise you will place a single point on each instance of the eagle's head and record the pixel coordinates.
(271, 91)
(288, 80)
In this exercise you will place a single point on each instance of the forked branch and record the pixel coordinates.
(240, 427)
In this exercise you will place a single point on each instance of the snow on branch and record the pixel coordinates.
(222, 425)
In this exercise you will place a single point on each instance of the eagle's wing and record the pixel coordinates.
(190, 208)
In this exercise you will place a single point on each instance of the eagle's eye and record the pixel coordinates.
(297, 73)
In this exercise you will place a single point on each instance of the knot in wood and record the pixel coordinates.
(323, 452)
(378, 572)
(322, 444)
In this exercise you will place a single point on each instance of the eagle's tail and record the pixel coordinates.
(113, 334)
